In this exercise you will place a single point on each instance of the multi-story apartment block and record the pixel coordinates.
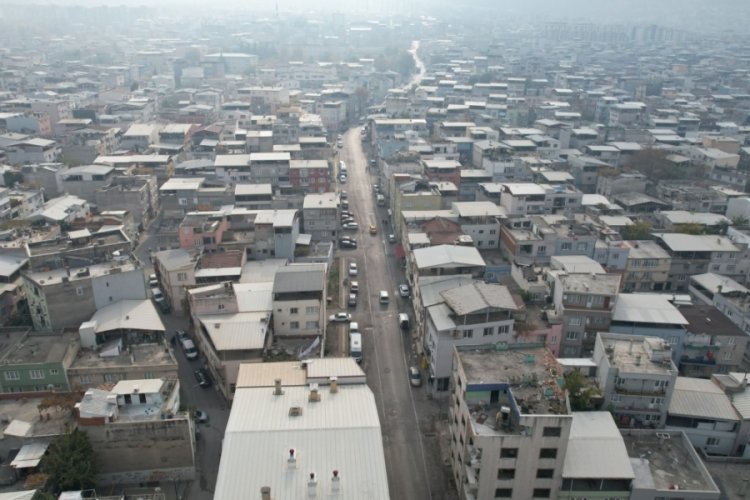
(481, 221)
(86, 180)
(469, 314)
(535, 239)
(310, 176)
(320, 216)
(697, 254)
(636, 376)
(509, 422)
(585, 302)
(646, 268)
(439, 170)
(299, 301)
(729, 297)
(713, 343)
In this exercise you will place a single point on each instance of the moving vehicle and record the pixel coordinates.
(354, 327)
(384, 297)
(200, 416)
(352, 302)
(403, 321)
(202, 377)
(340, 317)
(355, 346)
(354, 287)
(353, 269)
(415, 377)
(343, 195)
(403, 290)
(188, 347)
(373, 229)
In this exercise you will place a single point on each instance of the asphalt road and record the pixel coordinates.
(386, 349)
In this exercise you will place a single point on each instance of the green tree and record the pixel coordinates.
(640, 230)
(740, 221)
(579, 392)
(689, 228)
(69, 462)
(43, 495)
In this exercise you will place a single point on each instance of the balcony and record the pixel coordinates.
(655, 392)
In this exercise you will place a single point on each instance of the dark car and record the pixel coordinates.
(201, 376)
(347, 243)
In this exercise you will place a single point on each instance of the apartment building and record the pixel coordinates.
(299, 301)
(646, 268)
(729, 297)
(310, 176)
(713, 343)
(636, 376)
(697, 254)
(509, 422)
(585, 302)
(481, 221)
(320, 216)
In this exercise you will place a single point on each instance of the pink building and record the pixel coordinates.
(202, 230)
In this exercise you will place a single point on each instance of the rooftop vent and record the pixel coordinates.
(295, 411)
(334, 384)
(265, 493)
(335, 481)
(312, 486)
(277, 391)
(292, 460)
(314, 394)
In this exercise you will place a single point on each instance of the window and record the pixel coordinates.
(731, 340)
(128, 399)
(311, 325)
(468, 334)
(12, 375)
(148, 375)
(503, 329)
(545, 473)
(294, 325)
(293, 310)
(615, 398)
(54, 371)
(728, 356)
(488, 331)
(36, 374)
(505, 474)
(660, 384)
(548, 453)
(181, 276)
(574, 321)
(541, 493)
(551, 432)
(712, 441)
(571, 335)
(566, 246)
(503, 492)
(85, 379)
(108, 377)
(493, 231)
(312, 310)
(509, 453)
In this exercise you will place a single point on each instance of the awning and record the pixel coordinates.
(29, 455)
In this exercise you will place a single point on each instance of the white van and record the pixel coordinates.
(191, 352)
(355, 346)
(384, 297)
(403, 321)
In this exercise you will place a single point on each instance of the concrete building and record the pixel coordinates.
(585, 302)
(49, 293)
(471, 314)
(84, 181)
(636, 376)
(697, 254)
(320, 425)
(509, 423)
(138, 432)
(713, 343)
(481, 221)
(729, 297)
(176, 272)
(135, 193)
(443, 260)
(310, 176)
(299, 301)
(320, 216)
(33, 363)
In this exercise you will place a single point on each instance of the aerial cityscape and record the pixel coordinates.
(422, 250)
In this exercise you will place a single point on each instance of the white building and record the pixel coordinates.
(320, 215)
(303, 430)
(299, 300)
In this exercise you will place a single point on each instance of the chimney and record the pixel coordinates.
(265, 493)
(334, 384)
(314, 395)
(292, 460)
(335, 482)
(277, 389)
(312, 487)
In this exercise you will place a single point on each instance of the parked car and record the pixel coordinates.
(342, 179)
(384, 297)
(343, 195)
(153, 281)
(202, 377)
(403, 290)
(354, 287)
(350, 226)
(181, 335)
(373, 229)
(340, 317)
(200, 416)
(347, 243)
(391, 238)
(353, 271)
(352, 302)
(415, 376)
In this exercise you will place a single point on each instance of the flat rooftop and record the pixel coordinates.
(136, 355)
(33, 349)
(639, 354)
(665, 460)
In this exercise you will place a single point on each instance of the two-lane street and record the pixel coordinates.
(385, 358)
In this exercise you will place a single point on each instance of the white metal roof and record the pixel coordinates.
(595, 448)
(679, 242)
(239, 331)
(340, 432)
(447, 256)
(700, 398)
(29, 455)
(741, 399)
(478, 296)
(712, 282)
(253, 189)
(646, 308)
(225, 161)
(182, 184)
(478, 209)
(18, 495)
(128, 315)
(685, 217)
(524, 188)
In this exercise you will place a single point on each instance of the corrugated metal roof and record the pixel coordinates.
(299, 278)
(447, 255)
(478, 296)
(741, 400)
(340, 432)
(701, 398)
(596, 449)
(646, 308)
(252, 375)
(333, 367)
(440, 315)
